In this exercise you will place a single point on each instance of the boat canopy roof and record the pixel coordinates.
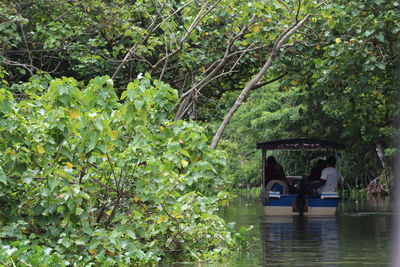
(299, 144)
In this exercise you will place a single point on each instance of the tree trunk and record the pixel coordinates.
(380, 153)
(274, 53)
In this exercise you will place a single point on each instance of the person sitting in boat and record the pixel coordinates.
(273, 170)
(275, 179)
(315, 173)
(329, 177)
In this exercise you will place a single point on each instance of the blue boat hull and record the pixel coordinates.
(286, 205)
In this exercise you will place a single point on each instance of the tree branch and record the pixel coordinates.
(258, 85)
(194, 24)
(212, 71)
(153, 26)
(274, 53)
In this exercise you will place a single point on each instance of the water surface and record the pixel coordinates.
(359, 235)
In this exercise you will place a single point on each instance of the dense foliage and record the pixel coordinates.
(87, 159)
(202, 48)
(85, 178)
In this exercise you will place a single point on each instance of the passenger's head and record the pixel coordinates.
(321, 163)
(331, 161)
(271, 160)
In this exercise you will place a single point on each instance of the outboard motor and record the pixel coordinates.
(300, 202)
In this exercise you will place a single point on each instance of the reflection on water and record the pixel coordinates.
(296, 239)
(359, 235)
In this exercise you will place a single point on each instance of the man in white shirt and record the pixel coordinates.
(329, 177)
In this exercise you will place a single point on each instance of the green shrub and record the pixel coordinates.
(87, 177)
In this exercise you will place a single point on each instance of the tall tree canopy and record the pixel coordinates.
(202, 48)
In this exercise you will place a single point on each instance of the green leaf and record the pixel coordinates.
(175, 146)
(78, 211)
(99, 124)
(380, 37)
(124, 95)
(139, 104)
(3, 177)
(53, 182)
(369, 33)
(381, 65)
(184, 152)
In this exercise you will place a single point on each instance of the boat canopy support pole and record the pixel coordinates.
(337, 156)
(264, 156)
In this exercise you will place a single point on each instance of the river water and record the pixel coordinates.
(359, 235)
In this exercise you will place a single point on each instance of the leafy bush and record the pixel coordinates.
(90, 178)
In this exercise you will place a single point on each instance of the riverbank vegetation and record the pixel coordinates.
(111, 113)
(86, 178)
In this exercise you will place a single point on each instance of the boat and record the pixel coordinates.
(278, 202)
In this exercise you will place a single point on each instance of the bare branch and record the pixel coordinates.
(153, 26)
(202, 13)
(28, 67)
(255, 87)
(165, 64)
(62, 15)
(213, 70)
(286, 6)
(298, 10)
(113, 172)
(274, 53)
(27, 48)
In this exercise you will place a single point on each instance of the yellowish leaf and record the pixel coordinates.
(114, 135)
(144, 209)
(74, 114)
(136, 198)
(269, 20)
(110, 253)
(40, 149)
(294, 82)
(109, 212)
(184, 163)
(256, 29)
(161, 219)
(176, 214)
(286, 88)
(318, 47)
(92, 251)
(338, 40)
(162, 128)
(202, 69)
